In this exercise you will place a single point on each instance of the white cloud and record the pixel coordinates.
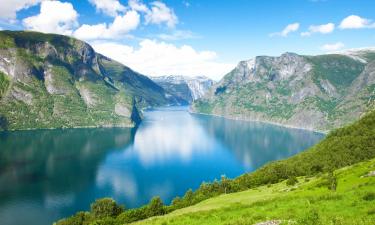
(356, 22)
(160, 13)
(109, 7)
(138, 6)
(159, 58)
(288, 29)
(54, 17)
(333, 47)
(178, 35)
(121, 26)
(323, 29)
(9, 9)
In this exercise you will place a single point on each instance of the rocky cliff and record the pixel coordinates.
(49, 81)
(312, 92)
(187, 89)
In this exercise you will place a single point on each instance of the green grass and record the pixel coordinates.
(307, 202)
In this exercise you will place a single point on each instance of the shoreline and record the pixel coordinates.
(66, 128)
(261, 121)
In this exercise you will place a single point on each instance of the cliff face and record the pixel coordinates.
(187, 89)
(312, 92)
(49, 81)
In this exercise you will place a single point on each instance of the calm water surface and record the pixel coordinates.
(49, 174)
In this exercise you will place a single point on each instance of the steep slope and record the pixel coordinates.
(313, 92)
(187, 89)
(49, 81)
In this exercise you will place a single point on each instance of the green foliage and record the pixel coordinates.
(311, 218)
(6, 41)
(105, 207)
(291, 181)
(155, 207)
(369, 196)
(340, 70)
(4, 84)
(332, 181)
(203, 106)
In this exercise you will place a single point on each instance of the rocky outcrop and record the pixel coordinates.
(312, 92)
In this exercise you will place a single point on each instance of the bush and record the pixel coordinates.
(291, 181)
(370, 196)
(132, 215)
(106, 207)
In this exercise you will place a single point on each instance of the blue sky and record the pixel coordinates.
(199, 37)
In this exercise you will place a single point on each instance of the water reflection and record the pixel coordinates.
(43, 173)
(256, 143)
(171, 134)
(46, 175)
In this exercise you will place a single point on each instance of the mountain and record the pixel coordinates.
(187, 88)
(50, 81)
(312, 92)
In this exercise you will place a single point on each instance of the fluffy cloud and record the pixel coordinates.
(120, 27)
(9, 9)
(323, 29)
(333, 47)
(54, 17)
(109, 7)
(159, 58)
(160, 13)
(356, 22)
(288, 29)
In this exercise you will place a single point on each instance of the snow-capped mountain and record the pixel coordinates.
(187, 88)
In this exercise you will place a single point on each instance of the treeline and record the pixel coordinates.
(342, 147)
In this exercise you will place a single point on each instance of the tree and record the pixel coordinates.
(176, 202)
(188, 197)
(224, 183)
(155, 207)
(106, 207)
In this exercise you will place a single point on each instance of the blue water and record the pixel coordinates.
(49, 174)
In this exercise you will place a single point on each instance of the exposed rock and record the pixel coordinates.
(88, 97)
(270, 222)
(122, 110)
(21, 95)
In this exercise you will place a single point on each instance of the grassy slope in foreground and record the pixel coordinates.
(307, 202)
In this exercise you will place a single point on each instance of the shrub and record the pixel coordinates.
(105, 207)
(370, 196)
(291, 181)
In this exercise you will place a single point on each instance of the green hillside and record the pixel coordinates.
(309, 201)
(320, 92)
(52, 81)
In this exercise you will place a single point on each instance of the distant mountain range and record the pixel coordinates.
(312, 92)
(50, 81)
(187, 89)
